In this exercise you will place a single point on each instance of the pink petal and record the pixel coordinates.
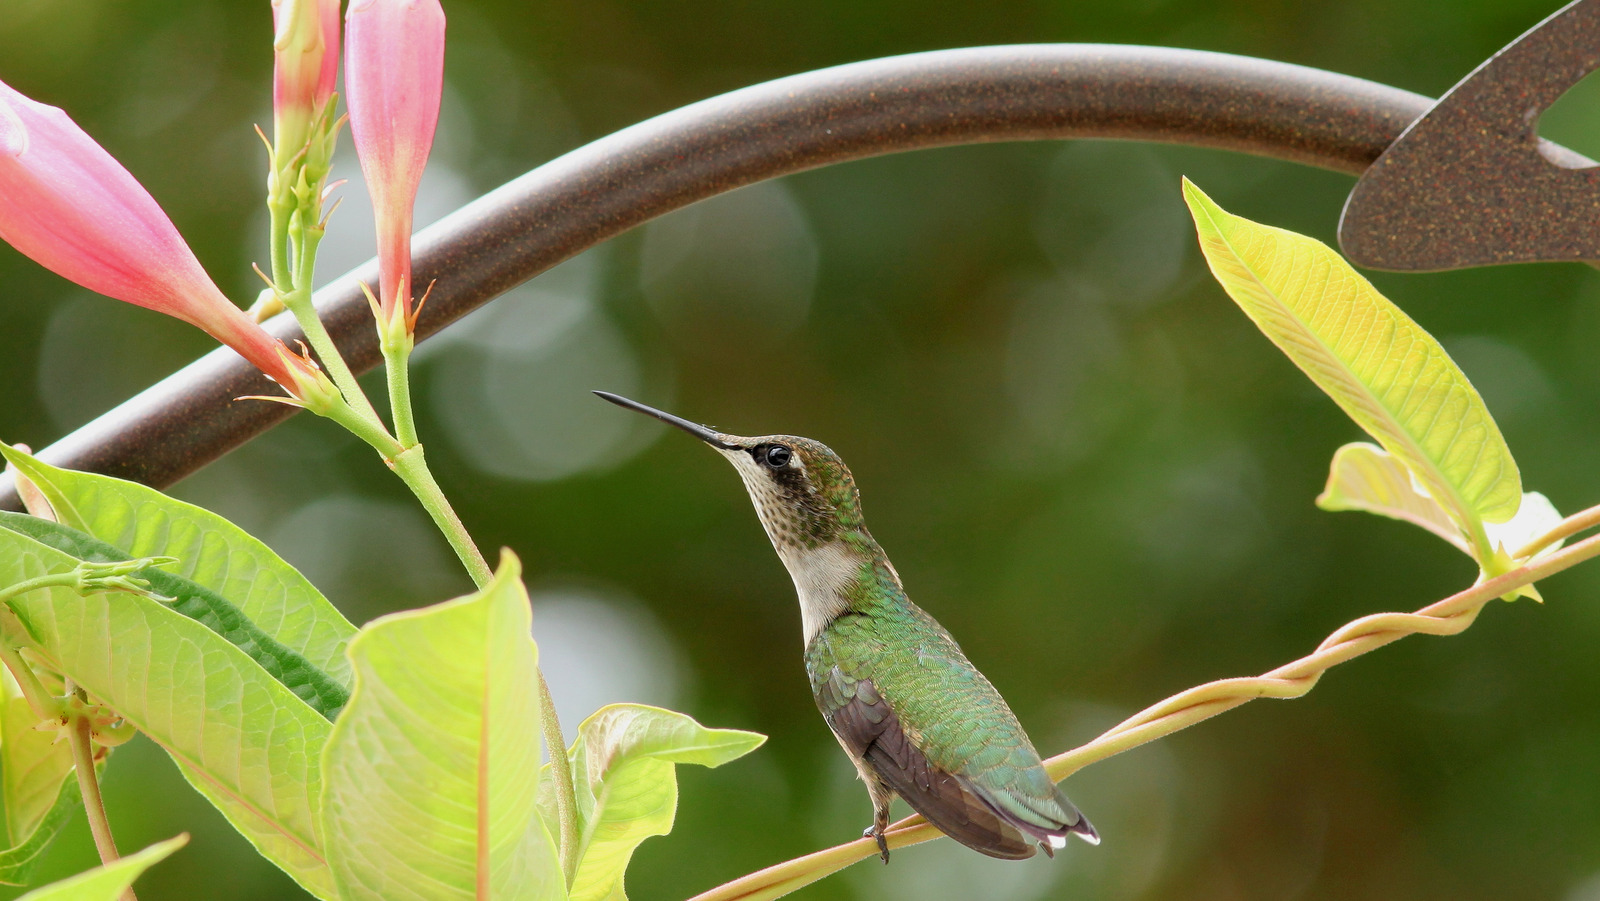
(76, 211)
(394, 76)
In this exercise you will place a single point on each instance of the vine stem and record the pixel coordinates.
(412, 468)
(40, 701)
(561, 769)
(1446, 617)
(298, 301)
(79, 734)
(1572, 525)
(399, 373)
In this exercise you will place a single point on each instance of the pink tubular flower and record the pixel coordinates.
(76, 211)
(305, 49)
(393, 76)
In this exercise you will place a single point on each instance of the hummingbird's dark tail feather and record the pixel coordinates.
(1050, 839)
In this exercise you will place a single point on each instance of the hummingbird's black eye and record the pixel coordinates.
(777, 456)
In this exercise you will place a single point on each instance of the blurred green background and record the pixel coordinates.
(1080, 455)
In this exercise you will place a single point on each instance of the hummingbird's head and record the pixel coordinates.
(803, 492)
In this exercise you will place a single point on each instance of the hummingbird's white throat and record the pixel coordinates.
(821, 574)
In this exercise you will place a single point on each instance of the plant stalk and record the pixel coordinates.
(1572, 525)
(412, 468)
(40, 702)
(80, 736)
(561, 769)
(298, 301)
(397, 365)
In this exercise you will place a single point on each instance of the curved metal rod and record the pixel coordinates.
(942, 98)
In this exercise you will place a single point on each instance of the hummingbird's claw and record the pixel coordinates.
(874, 831)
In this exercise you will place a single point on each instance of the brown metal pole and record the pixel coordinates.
(942, 98)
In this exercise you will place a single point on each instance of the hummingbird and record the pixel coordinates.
(914, 715)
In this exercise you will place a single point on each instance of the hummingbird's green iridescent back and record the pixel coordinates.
(966, 765)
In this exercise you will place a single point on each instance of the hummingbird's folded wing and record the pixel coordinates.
(869, 729)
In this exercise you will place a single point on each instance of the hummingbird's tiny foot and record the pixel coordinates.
(883, 843)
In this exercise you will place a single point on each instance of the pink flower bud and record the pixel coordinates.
(305, 62)
(305, 50)
(76, 211)
(393, 76)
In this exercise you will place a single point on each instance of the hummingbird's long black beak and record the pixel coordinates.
(704, 433)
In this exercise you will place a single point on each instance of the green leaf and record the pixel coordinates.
(1368, 478)
(325, 694)
(106, 883)
(239, 736)
(433, 768)
(36, 777)
(143, 522)
(18, 862)
(1378, 365)
(627, 787)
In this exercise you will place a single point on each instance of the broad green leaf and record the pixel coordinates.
(143, 522)
(1378, 365)
(627, 788)
(433, 768)
(325, 694)
(239, 736)
(36, 778)
(1368, 478)
(17, 862)
(106, 883)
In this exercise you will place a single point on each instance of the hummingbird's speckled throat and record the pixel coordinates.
(914, 715)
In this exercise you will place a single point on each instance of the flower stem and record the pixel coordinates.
(68, 579)
(397, 363)
(561, 770)
(79, 735)
(280, 207)
(41, 703)
(1446, 617)
(412, 468)
(298, 301)
(369, 430)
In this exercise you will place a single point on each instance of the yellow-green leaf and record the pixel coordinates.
(18, 862)
(1379, 366)
(211, 551)
(432, 770)
(241, 738)
(1367, 477)
(626, 786)
(107, 883)
(35, 780)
